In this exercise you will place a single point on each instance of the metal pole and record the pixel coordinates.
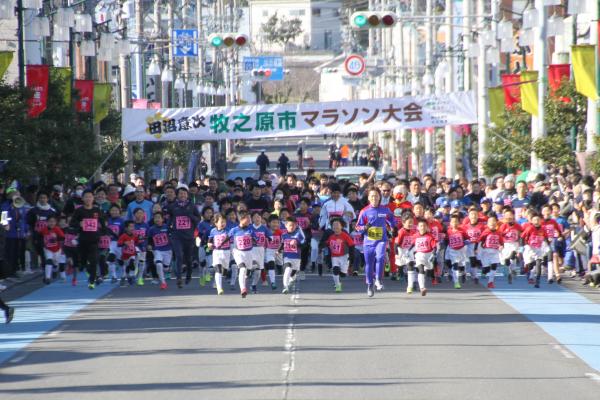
(170, 25)
(201, 60)
(450, 156)
(538, 123)
(414, 138)
(592, 128)
(482, 100)
(137, 55)
(21, 40)
(428, 157)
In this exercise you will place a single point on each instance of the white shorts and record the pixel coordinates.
(424, 259)
(294, 263)
(222, 257)
(508, 249)
(57, 257)
(456, 256)
(164, 256)
(341, 262)
(404, 257)
(471, 250)
(270, 255)
(202, 256)
(489, 256)
(243, 257)
(531, 255)
(115, 249)
(259, 256)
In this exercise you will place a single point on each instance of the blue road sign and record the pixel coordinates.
(274, 63)
(185, 42)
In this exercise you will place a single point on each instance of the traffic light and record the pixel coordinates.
(261, 73)
(227, 40)
(373, 19)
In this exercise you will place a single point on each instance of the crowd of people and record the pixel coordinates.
(245, 233)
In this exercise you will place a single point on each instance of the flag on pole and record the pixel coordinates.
(85, 89)
(529, 92)
(37, 82)
(102, 93)
(556, 74)
(496, 96)
(64, 74)
(584, 70)
(512, 93)
(5, 60)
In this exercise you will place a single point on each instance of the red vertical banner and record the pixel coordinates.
(85, 89)
(37, 81)
(153, 105)
(556, 74)
(512, 93)
(139, 103)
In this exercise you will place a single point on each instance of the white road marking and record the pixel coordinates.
(290, 344)
(593, 376)
(562, 350)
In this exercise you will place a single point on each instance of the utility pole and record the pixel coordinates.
(125, 95)
(414, 138)
(21, 41)
(538, 123)
(168, 92)
(592, 129)
(482, 100)
(448, 132)
(428, 157)
(201, 60)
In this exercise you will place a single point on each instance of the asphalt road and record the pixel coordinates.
(139, 343)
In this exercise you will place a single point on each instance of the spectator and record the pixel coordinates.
(283, 164)
(263, 162)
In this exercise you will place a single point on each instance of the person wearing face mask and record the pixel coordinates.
(74, 202)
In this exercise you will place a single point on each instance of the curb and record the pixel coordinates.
(11, 284)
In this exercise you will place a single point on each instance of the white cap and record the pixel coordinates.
(128, 190)
(182, 185)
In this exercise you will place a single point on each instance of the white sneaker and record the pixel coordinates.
(2, 287)
(28, 271)
(302, 275)
(378, 286)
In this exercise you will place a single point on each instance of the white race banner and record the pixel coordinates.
(281, 120)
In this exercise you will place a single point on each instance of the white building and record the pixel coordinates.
(320, 23)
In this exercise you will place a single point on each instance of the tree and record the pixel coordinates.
(55, 146)
(280, 30)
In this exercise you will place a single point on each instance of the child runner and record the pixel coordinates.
(52, 235)
(220, 245)
(141, 231)
(128, 242)
(292, 240)
(103, 252)
(204, 228)
(456, 251)
(115, 225)
(273, 244)
(262, 233)
(405, 241)
(243, 238)
(160, 245)
(359, 258)
(316, 258)
(341, 248)
(535, 239)
(70, 249)
(491, 241)
(425, 246)
(511, 232)
(555, 237)
(473, 228)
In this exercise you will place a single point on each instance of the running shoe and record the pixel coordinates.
(354, 273)
(457, 285)
(559, 280)
(510, 278)
(130, 280)
(592, 285)
(188, 279)
(244, 293)
(338, 288)
(74, 281)
(476, 281)
(490, 285)
(370, 291)
(273, 286)
(113, 280)
(550, 281)
(254, 290)
(537, 283)
(409, 290)
(91, 286)
(179, 283)
(530, 281)
(434, 282)
(201, 280)
(302, 275)
(378, 286)
(424, 292)
(285, 290)
(265, 283)
(9, 314)
(163, 286)
(140, 281)
(220, 292)
(207, 278)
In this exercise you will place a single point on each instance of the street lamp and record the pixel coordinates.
(167, 75)
(153, 69)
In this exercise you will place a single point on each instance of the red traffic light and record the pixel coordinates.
(267, 73)
(241, 40)
(388, 20)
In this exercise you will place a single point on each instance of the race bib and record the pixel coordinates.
(243, 242)
(335, 246)
(550, 231)
(141, 233)
(104, 242)
(220, 240)
(290, 246)
(303, 222)
(160, 240)
(182, 222)
(274, 242)
(455, 241)
(40, 225)
(492, 242)
(511, 236)
(406, 242)
(90, 225)
(535, 241)
(261, 239)
(422, 245)
(115, 229)
(375, 233)
(50, 240)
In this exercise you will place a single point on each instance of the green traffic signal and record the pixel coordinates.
(216, 41)
(360, 20)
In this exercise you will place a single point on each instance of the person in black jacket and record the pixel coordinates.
(183, 219)
(283, 164)
(89, 221)
(263, 163)
(8, 311)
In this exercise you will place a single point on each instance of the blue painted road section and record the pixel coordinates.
(44, 310)
(572, 319)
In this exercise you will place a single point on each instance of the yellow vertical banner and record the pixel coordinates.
(529, 92)
(5, 60)
(101, 102)
(496, 96)
(64, 74)
(584, 70)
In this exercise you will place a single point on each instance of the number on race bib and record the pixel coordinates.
(90, 224)
(290, 246)
(160, 240)
(182, 222)
(335, 246)
(243, 242)
(375, 233)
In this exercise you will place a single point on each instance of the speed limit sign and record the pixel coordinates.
(354, 65)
